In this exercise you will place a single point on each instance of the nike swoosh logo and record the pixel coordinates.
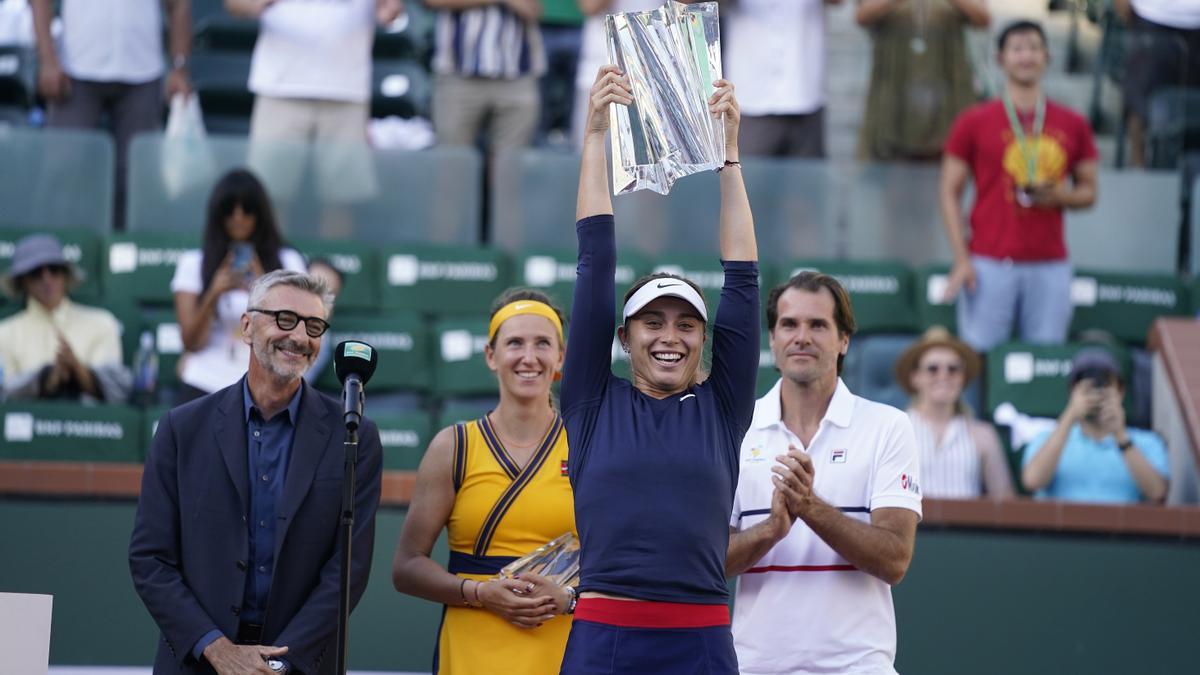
(686, 397)
(662, 285)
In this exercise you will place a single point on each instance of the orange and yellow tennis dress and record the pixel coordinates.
(501, 512)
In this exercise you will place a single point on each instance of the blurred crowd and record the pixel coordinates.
(495, 64)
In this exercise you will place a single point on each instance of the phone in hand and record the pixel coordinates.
(243, 253)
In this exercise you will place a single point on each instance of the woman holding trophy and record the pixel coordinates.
(654, 459)
(498, 486)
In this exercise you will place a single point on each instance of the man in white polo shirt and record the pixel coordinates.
(827, 504)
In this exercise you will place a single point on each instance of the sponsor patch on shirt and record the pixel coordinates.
(756, 455)
(909, 484)
(838, 456)
(562, 468)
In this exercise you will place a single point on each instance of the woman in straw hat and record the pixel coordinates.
(961, 457)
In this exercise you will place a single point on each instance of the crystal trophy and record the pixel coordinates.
(671, 56)
(557, 560)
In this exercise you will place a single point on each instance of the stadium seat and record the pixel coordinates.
(404, 437)
(1134, 226)
(553, 271)
(221, 80)
(168, 344)
(881, 292)
(459, 365)
(400, 87)
(54, 431)
(409, 202)
(869, 368)
(359, 265)
(891, 212)
(81, 247)
(54, 179)
(464, 410)
(533, 206)
(225, 33)
(443, 279)
(1033, 378)
(409, 37)
(927, 295)
(1124, 305)
(18, 83)
(139, 266)
(403, 342)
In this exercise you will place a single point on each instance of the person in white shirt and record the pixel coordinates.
(775, 51)
(110, 62)
(211, 285)
(828, 499)
(961, 456)
(55, 348)
(311, 77)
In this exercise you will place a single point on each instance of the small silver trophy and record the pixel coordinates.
(671, 56)
(557, 560)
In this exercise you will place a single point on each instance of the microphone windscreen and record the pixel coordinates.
(354, 358)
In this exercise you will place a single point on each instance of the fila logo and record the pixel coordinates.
(838, 456)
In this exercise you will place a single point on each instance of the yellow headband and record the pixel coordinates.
(520, 307)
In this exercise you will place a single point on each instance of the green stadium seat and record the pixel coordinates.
(459, 365)
(168, 343)
(404, 437)
(553, 271)
(443, 279)
(1124, 305)
(927, 294)
(463, 410)
(402, 340)
(53, 431)
(1033, 378)
(224, 32)
(400, 87)
(56, 179)
(221, 81)
(768, 375)
(881, 292)
(358, 264)
(139, 266)
(81, 247)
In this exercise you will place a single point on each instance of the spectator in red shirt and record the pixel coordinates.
(1030, 159)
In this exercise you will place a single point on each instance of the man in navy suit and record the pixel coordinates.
(235, 547)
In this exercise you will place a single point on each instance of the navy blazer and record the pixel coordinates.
(190, 546)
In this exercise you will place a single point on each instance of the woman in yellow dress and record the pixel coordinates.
(499, 486)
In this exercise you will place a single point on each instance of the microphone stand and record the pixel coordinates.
(346, 532)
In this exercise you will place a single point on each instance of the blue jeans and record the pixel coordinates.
(1035, 296)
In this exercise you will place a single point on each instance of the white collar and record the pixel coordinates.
(769, 409)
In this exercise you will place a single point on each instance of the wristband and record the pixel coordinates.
(574, 599)
(1126, 445)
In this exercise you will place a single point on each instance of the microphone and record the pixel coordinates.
(354, 362)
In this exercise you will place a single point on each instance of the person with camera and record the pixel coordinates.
(1092, 455)
(241, 243)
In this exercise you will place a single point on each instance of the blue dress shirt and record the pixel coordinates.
(269, 445)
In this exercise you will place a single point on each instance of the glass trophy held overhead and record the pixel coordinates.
(671, 57)
(557, 561)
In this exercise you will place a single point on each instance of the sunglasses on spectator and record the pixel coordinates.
(37, 272)
(950, 368)
(287, 320)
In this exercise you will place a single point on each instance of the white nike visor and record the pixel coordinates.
(664, 287)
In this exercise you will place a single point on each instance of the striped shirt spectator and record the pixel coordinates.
(491, 42)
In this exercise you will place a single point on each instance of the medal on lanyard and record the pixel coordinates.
(1028, 148)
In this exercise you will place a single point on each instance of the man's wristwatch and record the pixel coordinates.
(278, 666)
(574, 599)
(1125, 444)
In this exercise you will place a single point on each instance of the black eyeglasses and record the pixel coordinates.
(56, 270)
(950, 368)
(287, 320)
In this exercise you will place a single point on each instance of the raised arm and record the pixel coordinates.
(588, 364)
(737, 222)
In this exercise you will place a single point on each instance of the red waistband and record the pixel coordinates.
(647, 614)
